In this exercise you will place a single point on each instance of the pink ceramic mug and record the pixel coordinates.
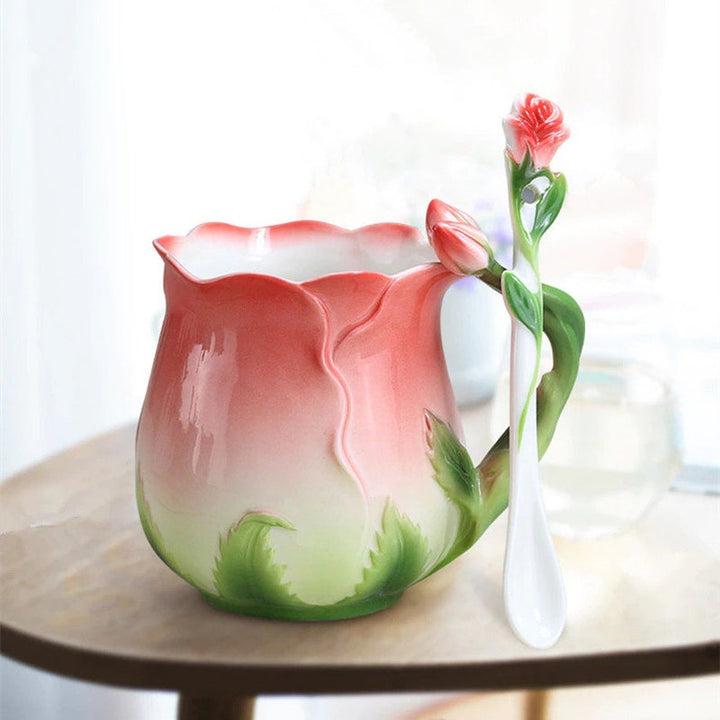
(299, 451)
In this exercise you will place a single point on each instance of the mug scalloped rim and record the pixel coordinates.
(395, 244)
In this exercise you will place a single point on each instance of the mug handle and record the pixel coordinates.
(564, 326)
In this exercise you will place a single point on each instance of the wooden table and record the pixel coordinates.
(84, 596)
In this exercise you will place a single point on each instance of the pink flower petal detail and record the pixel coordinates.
(535, 125)
(394, 366)
(439, 211)
(461, 248)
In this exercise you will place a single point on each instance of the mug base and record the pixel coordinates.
(305, 612)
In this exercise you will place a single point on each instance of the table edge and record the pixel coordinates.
(220, 679)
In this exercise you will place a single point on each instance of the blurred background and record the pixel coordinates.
(124, 121)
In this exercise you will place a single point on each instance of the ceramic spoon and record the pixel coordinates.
(534, 590)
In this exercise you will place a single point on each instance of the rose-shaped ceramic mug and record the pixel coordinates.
(299, 451)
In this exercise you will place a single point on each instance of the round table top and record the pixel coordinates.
(84, 595)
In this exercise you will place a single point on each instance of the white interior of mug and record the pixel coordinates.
(303, 258)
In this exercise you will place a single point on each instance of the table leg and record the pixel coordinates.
(536, 704)
(209, 708)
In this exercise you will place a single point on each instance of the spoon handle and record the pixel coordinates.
(534, 591)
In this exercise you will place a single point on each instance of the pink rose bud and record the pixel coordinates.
(438, 212)
(535, 125)
(461, 248)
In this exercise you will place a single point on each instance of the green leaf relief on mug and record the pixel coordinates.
(248, 580)
(245, 569)
(457, 476)
(400, 559)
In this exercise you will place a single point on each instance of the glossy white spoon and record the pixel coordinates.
(534, 591)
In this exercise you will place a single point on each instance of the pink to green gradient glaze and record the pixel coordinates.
(287, 450)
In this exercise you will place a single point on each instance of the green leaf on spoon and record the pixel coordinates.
(523, 304)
